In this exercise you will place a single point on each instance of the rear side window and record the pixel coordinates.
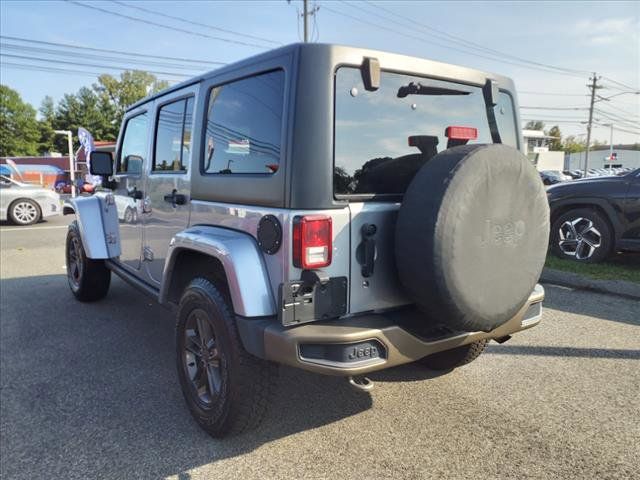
(244, 125)
(173, 136)
(382, 138)
(134, 145)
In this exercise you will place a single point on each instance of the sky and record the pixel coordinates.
(580, 37)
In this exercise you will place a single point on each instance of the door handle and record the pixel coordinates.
(175, 198)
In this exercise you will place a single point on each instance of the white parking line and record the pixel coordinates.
(24, 229)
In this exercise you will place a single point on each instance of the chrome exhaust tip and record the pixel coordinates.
(362, 384)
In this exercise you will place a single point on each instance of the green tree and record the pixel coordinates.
(534, 125)
(555, 144)
(128, 89)
(45, 125)
(572, 144)
(19, 133)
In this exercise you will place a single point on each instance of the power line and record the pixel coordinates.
(635, 89)
(105, 50)
(466, 43)
(42, 68)
(161, 25)
(66, 62)
(67, 54)
(430, 42)
(615, 118)
(191, 22)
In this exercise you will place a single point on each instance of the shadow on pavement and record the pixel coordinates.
(608, 307)
(90, 389)
(627, 354)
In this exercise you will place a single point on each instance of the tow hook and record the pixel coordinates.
(360, 383)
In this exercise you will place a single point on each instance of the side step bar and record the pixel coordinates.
(132, 280)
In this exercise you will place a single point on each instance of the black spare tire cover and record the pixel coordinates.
(472, 235)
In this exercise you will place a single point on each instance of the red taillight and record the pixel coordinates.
(312, 241)
(461, 133)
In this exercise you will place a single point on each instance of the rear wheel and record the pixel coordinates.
(24, 212)
(582, 235)
(226, 389)
(88, 279)
(456, 357)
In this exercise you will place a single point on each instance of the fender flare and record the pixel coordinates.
(243, 264)
(97, 219)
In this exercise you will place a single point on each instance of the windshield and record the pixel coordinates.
(383, 137)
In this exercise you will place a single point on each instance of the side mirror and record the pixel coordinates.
(101, 163)
(132, 164)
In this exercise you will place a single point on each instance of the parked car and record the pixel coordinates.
(574, 174)
(26, 204)
(593, 217)
(551, 177)
(288, 223)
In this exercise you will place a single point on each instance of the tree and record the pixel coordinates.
(571, 145)
(19, 134)
(131, 87)
(555, 144)
(534, 125)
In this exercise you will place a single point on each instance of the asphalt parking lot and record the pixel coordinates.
(90, 391)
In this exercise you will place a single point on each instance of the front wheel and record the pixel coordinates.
(25, 212)
(582, 235)
(88, 279)
(456, 357)
(226, 389)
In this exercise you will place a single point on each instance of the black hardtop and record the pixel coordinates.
(322, 50)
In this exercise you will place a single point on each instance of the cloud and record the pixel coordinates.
(607, 31)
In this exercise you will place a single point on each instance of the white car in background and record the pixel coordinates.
(26, 204)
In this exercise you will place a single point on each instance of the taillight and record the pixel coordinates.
(312, 241)
(461, 133)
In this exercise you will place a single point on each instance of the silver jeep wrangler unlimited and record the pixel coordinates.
(334, 209)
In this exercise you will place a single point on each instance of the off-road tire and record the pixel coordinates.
(599, 223)
(454, 358)
(34, 213)
(88, 279)
(246, 382)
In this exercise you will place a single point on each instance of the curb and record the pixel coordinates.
(619, 288)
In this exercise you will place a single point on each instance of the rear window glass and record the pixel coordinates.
(244, 122)
(372, 129)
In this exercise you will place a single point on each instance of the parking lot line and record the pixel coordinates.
(26, 229)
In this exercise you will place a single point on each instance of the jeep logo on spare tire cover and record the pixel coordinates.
(507, 233)
(472, 235)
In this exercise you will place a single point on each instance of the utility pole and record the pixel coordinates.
(593, 86)
(305, 16)
(306, 13)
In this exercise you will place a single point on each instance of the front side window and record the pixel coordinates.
(383, 137)
(173, 136)
(134, 145)
(244, 125)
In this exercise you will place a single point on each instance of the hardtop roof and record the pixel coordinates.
(309, 48)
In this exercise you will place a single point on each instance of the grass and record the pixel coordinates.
(618, 267)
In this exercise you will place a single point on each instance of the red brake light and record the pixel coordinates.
(461, 133)
(312, 243)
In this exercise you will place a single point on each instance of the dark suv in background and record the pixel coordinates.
(593, 217)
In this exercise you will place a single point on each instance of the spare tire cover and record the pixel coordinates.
(472, 236)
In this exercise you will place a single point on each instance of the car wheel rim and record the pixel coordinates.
(25, 212)
(74, 262)
(202, 358)
(579, 238)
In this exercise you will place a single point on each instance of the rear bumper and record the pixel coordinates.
(369, 342)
